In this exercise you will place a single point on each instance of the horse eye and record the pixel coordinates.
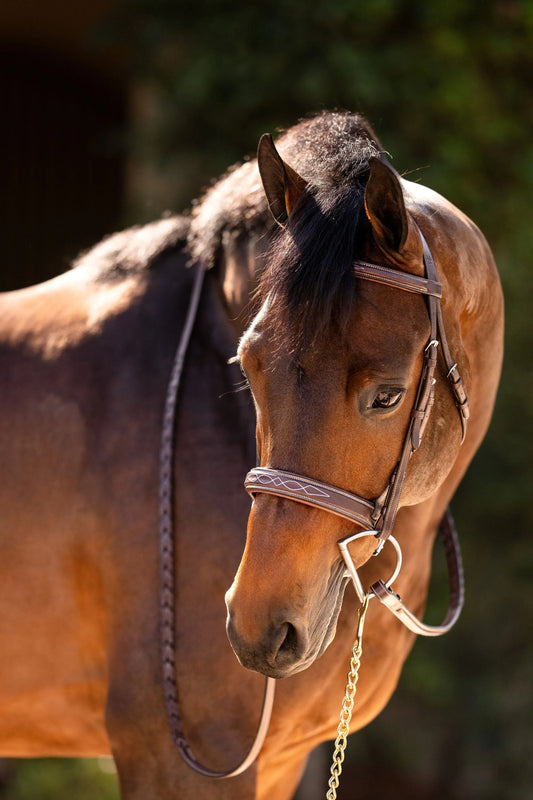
(387, 398)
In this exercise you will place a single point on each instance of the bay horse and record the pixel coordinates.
(333, 361)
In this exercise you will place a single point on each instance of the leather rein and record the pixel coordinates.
(376, 516)
(167, 591)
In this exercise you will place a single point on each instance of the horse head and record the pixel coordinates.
(333, 364)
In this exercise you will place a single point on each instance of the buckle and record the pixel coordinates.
(456, 376)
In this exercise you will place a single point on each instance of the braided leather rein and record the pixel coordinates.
(167, 592)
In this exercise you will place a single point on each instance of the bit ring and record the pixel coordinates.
(351, 571)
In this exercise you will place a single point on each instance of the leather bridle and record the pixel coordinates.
(377, 516)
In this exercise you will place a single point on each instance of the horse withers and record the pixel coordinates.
(333, 362)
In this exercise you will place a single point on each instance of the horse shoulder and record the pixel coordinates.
(469, 270)
(72, 357)
(472, 294)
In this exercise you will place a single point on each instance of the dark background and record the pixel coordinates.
(115, 112)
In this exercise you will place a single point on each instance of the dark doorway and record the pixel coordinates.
(63, 164)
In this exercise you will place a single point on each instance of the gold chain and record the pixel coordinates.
(347, 705)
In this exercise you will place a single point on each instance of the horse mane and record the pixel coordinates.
(309, 274)
(135, 249)
(233, 208)
(310, 282)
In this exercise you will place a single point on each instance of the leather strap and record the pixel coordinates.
(424, 397)
(393, 601)
(167, 592)
(400, 280)
(453, 376)
(310, 492)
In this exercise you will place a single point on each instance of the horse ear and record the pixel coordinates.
(282, 184)
(385, 207)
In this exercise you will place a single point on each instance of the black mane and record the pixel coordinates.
(310, 281)
(308, 276)
(308, 270)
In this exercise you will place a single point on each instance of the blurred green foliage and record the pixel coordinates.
(447, 85)
(56, 778)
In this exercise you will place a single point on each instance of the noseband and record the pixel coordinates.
(377, 516)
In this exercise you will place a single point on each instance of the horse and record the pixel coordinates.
(333, 360)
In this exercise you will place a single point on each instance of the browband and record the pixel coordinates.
(400, 280)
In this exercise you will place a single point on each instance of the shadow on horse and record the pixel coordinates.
(341, 402)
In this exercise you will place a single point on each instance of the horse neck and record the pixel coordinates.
(239, 267)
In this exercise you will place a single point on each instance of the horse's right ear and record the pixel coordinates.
(282, 184)
(385, 207)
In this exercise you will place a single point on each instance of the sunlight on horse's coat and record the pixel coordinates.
(85, 361)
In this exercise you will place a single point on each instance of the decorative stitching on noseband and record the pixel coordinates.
(311, 492)
(291, 485)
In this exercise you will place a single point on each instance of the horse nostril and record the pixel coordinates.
(272, 651)
(290, 643)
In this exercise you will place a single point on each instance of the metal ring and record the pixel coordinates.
(351, 570)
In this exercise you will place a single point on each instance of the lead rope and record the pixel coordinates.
(347, 705)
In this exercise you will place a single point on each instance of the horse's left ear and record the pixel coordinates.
(282, 184)
(385, 207)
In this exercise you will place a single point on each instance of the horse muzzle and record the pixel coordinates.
(287, 639)
(280, 652)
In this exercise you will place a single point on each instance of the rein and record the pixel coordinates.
(167, 592)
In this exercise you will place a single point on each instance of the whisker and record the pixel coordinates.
(242, 386)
